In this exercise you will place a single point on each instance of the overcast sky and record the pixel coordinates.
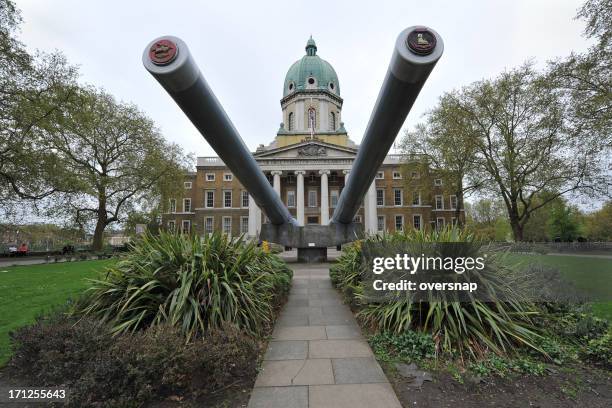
(245, 48)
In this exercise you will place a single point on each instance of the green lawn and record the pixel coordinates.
(593, 275)
(28, 291)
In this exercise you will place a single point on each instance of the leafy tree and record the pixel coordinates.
(486, 218)
(517, 124)
(33, 90)
(585, 80)
(151, 220)
(119, 160)
(564, 222)
(598, 224)
(451, 155)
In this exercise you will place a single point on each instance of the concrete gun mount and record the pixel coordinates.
(416, 52)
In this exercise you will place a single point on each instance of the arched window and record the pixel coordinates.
(332, 121)
(290, 121)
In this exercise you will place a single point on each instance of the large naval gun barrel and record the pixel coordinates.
(169, 61)
(417, 49)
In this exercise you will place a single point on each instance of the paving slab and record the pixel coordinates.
(332, 320)
(338, 349)
(357, 371)
(289, 321)
(287, 350)
(300, 333)
(315, 372)
(352, 396)
(343, 332)
(325, 302)
(279, 397)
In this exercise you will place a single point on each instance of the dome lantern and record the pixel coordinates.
(311, 47)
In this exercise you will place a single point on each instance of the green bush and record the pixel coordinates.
(405, 346)
(502, 367)
(196, 284)
(130, 369)
(599, 351)
(472, 327)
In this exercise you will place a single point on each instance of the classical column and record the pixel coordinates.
(254, 219)
(324, 197)
(346, 175)
(370, 223)
(300, 196)
(277, 181)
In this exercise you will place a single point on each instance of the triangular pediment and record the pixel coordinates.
(309, 149)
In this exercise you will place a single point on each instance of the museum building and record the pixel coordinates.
(308, 164)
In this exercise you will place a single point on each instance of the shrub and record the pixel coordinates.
(345, 274)
(468, 327)
(130, 369)
(405, 346)
(196, 284)
(599, 351)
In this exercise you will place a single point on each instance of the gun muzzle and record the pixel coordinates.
(169, 61)
(416, 52)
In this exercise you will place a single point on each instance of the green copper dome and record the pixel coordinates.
(311, 72)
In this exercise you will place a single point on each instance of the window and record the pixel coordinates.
(210, 199)
(312, 198)
(228, 177)
(171, 226)
(312, 177)
(397, 197)
(187, 185)
(227, 199)
(437, 182)
(453, 202)
(399, 222)
(312, 220)
(357, 219)
(172, 205)
(187, 204)
(380, 197)
(311, 81)
(439, 202)
(208, 225)
(291, 119)
(290, 198)
(244, 225)
(416, 198)
(333, 198)
(333, 177)
(210, 176)
(380, 223)
(332, 121)
(380, 175)
(439, 223)
(227, 225)
(245, 199)
(397, 175)
(416, 222)
(186, 226)
(290, 178)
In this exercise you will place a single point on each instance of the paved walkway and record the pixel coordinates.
(317, 357)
